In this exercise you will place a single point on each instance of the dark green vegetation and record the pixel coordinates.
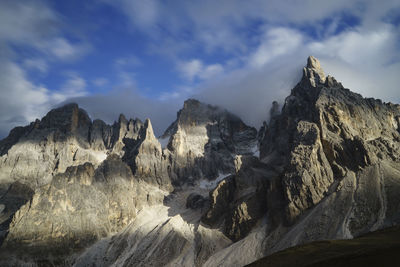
(380, 248)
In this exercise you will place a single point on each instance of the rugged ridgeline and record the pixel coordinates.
(67, 181)
(81, 192)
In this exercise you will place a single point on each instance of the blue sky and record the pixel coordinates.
(144, 58)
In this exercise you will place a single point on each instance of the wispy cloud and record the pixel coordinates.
(35, 27)
(36, 64)
(365, 60)
(74, 86)
(276, 42)
(129, 101)
(143, 14)
(127, 61)
(196, 69)
(21, 101)
(62, 49)
(100, 82)
(26, 21)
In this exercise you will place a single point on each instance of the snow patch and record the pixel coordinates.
(209, 185)
(255, 150)
(100, 156)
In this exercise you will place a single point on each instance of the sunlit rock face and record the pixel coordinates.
(204, 141)
(210, 191)
(47, 147)
(88, 179)
(327, 135)
(146, 159)
(77, 208)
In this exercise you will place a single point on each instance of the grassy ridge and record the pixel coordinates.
(380, 248)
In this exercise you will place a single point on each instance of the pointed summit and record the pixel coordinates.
(149, 133)
(67, 118)
(313, 63)
(122, 119)
(191, 103)
(313, 72)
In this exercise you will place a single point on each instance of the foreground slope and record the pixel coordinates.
(380, 248)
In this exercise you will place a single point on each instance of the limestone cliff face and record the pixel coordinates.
(146, 158)
(65, 137)
(70, 195)
(204, 140)
(330, 169)
(82, 180)
(240, 200)
(77, 208)
(331, 144)
(47, 147)
(324, 135)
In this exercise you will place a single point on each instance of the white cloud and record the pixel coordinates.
(277, 42)
(212, 27)
(178, 95)
(211, 71)
(190, 69)
(248, 91)
(100, 82)
(75, 86)
(63, 49)
(143, 14)
(361, 47)
(26, 21)
(195, 69)
(366, 61)
(267, 41)
(34, 24)
(129, 101)
(36, 64)
(21, 101)
(34, 28)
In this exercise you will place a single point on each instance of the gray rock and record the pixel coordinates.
(145, 157)
(195, 201)
(77, 208)
(240, 200)
(324, 133)
(204, 140)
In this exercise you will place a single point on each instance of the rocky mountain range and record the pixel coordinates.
(211, 191)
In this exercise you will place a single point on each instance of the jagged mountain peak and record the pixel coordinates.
(204, 140)
(198, 114)
(148, 128)
(68, 117)
(191, 103)
(191, 114)
(195, 112)
(122, 119)
(313, 63)
(313, 73)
